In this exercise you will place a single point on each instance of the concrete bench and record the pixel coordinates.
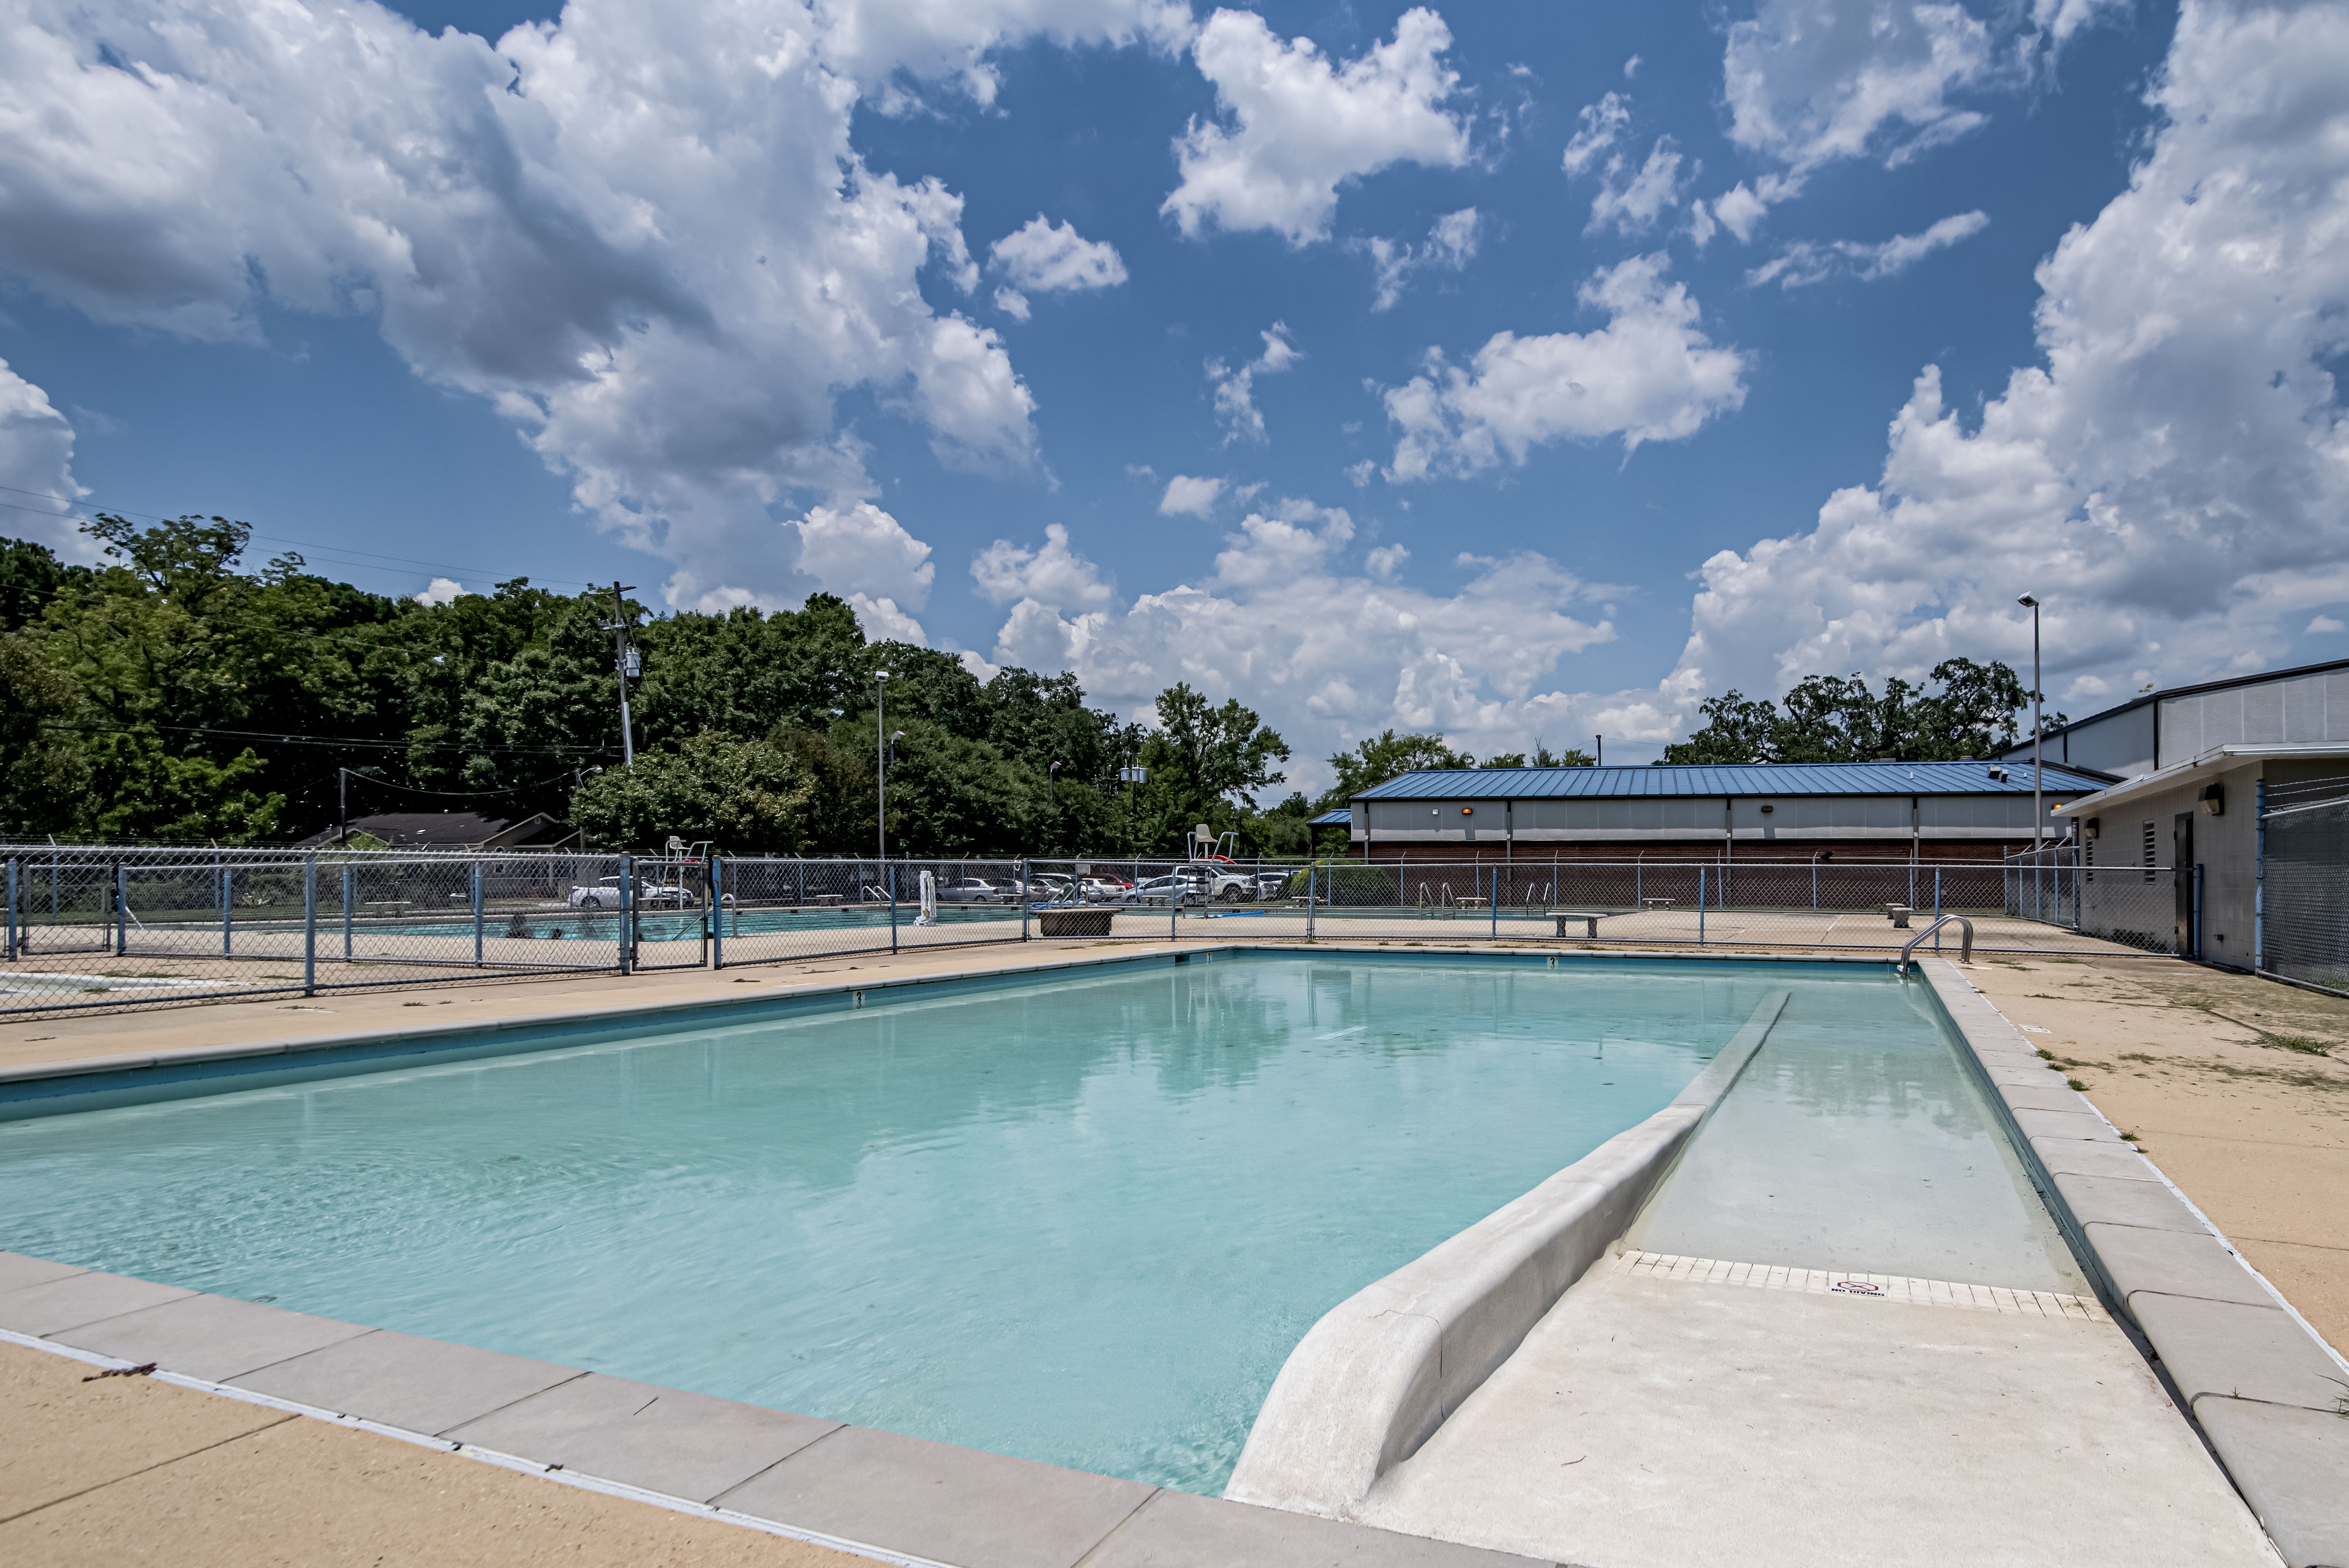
(1589, 922)
(1658, 902)
(1898, 913)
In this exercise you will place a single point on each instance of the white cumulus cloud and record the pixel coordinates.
(1809, 81)
(441, 591)
(1649, 375)
(1629, 201)
(1294, 126)
(1187, 494)
(1602, 123)
(36, 445)
(1054, 576)
(640, 233)
(1806, 263)
(2172, 480)
(1235, 387)
(860, 550)
(1450, 246)
(1041, 257)
(1330, 651)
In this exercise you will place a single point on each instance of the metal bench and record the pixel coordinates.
(1590, 922)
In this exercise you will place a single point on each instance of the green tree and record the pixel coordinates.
(1837, 718)
(1203, 762)
(748, 797)
(45, 777)
(1385, 755)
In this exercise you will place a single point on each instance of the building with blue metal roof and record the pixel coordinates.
(1799, 810)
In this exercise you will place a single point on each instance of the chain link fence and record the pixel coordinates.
(1764, 904)
(98, 927)
(2305, 883)
(109, 927)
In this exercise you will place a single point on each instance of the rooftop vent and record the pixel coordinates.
(1998, 773)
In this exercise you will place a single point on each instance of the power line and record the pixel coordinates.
(461, 794)
(279, 738)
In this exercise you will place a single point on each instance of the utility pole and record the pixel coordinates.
(2038, 729)
(627, 661)
(343, 806)
(1600, 761)
(881, 761)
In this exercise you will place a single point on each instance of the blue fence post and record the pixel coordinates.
(1026, 896)
(1174, 901)
(1937, 909)
(228, 902)
(892, 908)
(310, 926)
(1496, 904)
(2260, 877)
(1311, 877)
(121, 910)
(717, 912)
(12, 911)
(477, 915)
(350, 897)
(1815, 886)
(1699, 905)
(627, 914)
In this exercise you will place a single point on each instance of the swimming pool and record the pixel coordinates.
(1082, 1220)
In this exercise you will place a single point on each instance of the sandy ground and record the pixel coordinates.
(2218, 1076)
(130, 1471)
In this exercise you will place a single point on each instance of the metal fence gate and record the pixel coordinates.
(2303, 883)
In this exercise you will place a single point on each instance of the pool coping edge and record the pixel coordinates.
(2218, 1331)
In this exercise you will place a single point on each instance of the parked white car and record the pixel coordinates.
(606, 895)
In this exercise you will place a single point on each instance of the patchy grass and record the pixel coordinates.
(2306, 1045)
(2075, 1086)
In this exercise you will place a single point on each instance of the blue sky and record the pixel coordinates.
(603, 299)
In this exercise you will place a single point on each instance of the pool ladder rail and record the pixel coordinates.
(1965, 952)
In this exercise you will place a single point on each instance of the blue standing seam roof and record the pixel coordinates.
(1777, 779)
(1342, 817)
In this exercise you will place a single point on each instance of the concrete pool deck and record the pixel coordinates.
(227, 1024)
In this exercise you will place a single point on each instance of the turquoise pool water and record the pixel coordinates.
(1846, 1144)
(1080, 1220)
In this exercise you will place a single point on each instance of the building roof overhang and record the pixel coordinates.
(2217, 760)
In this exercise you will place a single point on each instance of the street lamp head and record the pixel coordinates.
(881, 674)
(2028, 603)
(896, 735)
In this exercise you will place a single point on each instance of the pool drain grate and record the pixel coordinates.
(1871, 1286)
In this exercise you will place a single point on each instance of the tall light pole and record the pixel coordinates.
(881, 761)
(2038, 770)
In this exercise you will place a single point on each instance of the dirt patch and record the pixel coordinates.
(2236, 1088)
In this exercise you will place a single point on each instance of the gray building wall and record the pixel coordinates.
(2115, 894)
(2314, 706)
(2277, 710)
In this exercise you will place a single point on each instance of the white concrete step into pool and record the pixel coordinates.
(1654, 1419)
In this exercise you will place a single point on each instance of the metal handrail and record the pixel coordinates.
(1965, 952)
